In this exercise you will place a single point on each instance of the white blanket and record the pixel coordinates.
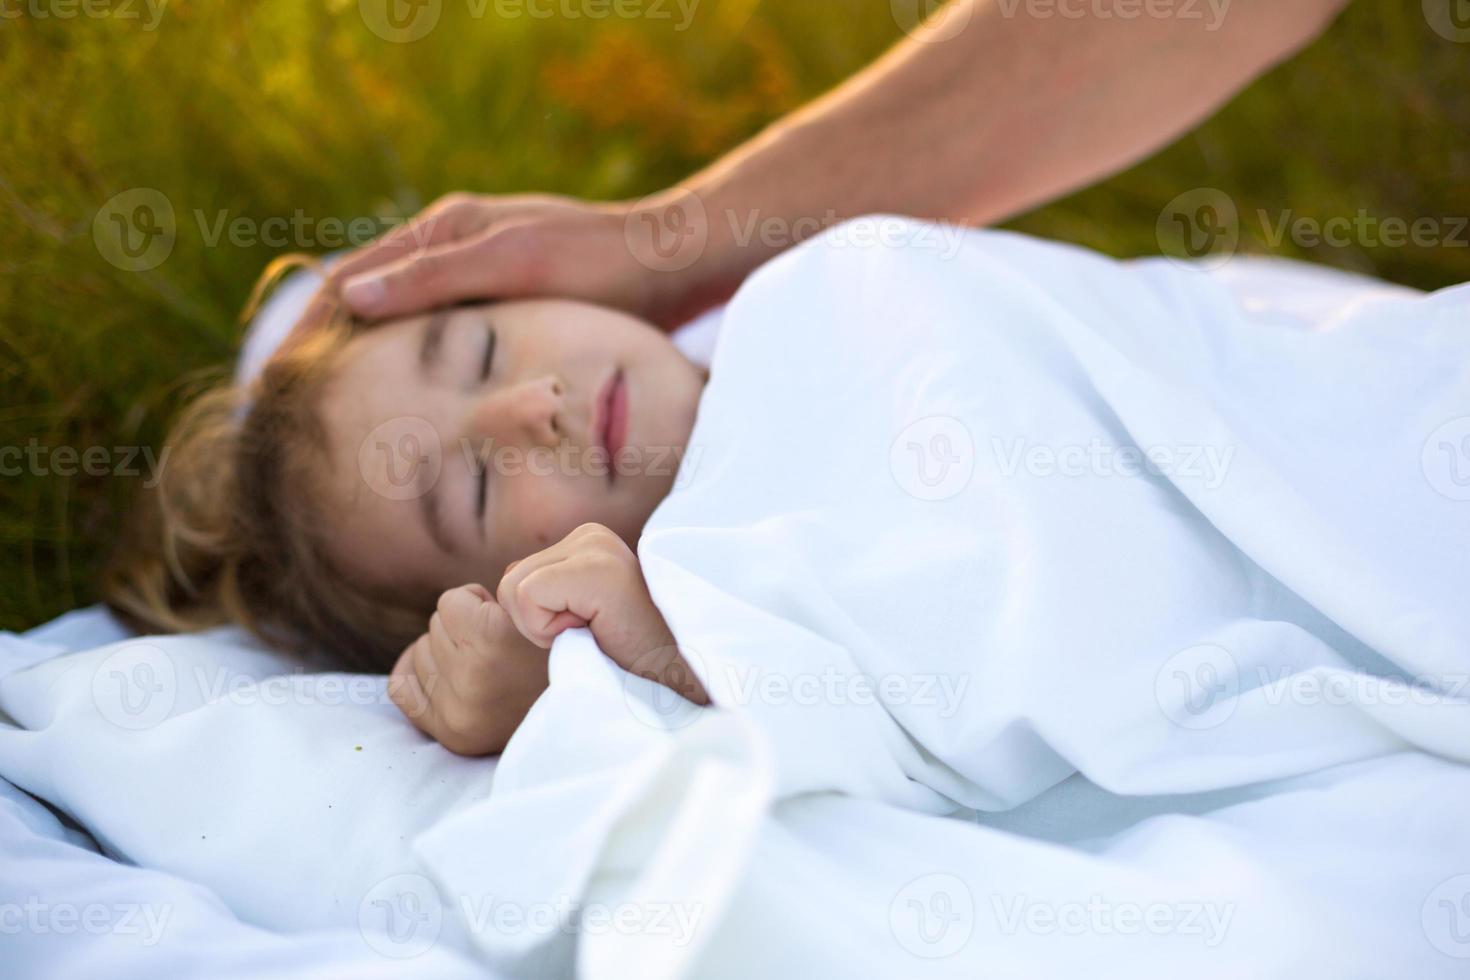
(978, 717)
(987, 519)
(916, 548)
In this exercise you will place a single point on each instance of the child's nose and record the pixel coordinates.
(530, 412)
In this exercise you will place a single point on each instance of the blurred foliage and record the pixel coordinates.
(263, 109)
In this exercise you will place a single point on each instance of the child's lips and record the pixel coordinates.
(611, 420)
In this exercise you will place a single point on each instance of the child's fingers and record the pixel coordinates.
(471, 622)
(415, 681)
(506, 592)
(565, 621)
(512, 597)
(551, 599)
(405, 687)
(480, 591)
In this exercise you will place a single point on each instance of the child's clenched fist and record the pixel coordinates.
(469, 681)
(592, 578)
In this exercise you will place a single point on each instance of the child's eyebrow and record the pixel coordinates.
(433, 340)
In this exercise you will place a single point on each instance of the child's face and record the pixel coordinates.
(466, 439)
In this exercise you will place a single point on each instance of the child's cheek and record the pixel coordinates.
(541, 512)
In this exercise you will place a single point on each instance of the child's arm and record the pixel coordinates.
(592, 578)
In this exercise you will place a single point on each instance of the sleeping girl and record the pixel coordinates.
(372, 487)
(916, 465)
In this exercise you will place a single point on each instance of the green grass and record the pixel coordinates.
(257, 109)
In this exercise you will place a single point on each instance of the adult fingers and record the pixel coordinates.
(453, 217)
(500, 263)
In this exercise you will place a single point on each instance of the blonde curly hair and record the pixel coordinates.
(233, 530)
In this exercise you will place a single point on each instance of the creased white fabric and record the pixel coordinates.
(925, 471)
(978, 717)
(293, 798)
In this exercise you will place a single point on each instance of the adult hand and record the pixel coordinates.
(942, 127)
(469, 246)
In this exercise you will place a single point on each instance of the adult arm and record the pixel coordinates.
(987, 110)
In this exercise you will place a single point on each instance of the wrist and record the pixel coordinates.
(688, 264)
(791, 183)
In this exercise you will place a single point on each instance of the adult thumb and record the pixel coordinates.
(481, 268)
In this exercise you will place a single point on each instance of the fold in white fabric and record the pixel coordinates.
(1066, 617)
(954, 525)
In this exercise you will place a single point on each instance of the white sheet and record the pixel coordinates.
(1028, 622)
(1268, 834)
(233, 779)
(1264, 658)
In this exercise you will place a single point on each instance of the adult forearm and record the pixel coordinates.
(1015, 108)
(1005, 105)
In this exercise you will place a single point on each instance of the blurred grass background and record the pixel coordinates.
(276, 108)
